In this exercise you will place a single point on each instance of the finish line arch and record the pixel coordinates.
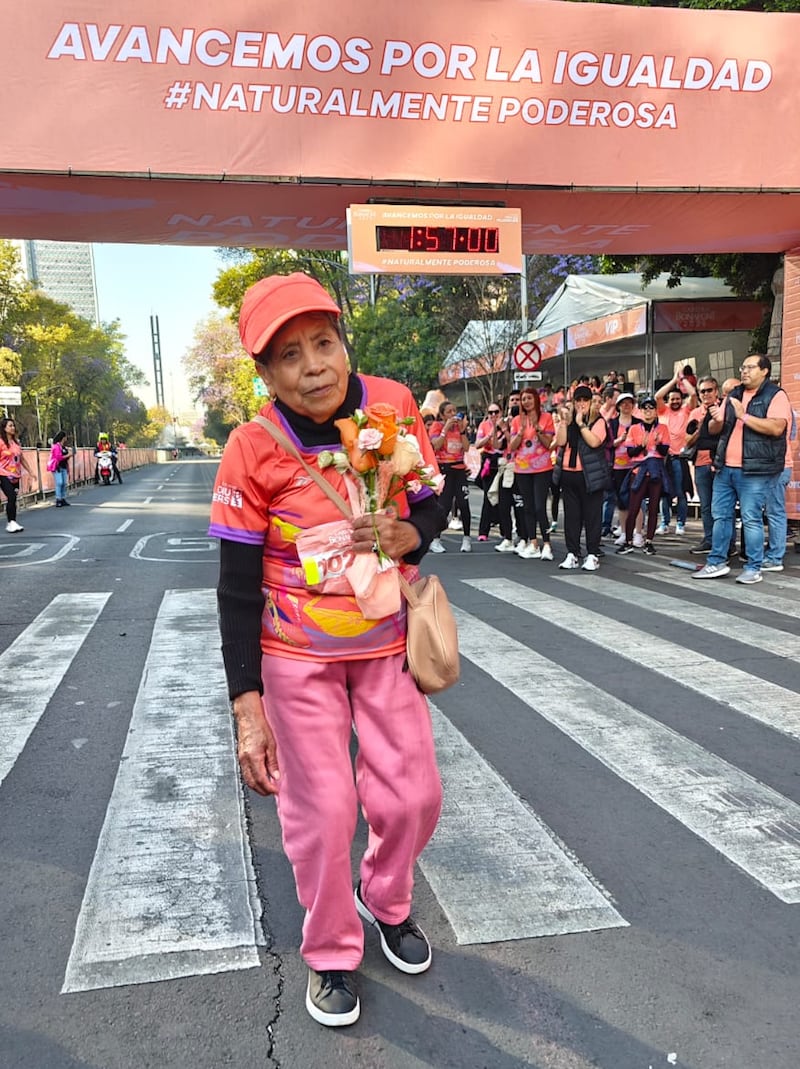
(613, 129)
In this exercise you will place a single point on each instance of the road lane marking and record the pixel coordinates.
(747, 822)
(35, 663)
(124, 526)
(722, 588)
(771, 639)
(171, 891)
(497, 870)
(747, 694)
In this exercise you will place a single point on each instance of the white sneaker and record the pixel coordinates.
(570, 561)
(617, 531)
(680, 529)
(591, 564)
(620, 540)
(455, 524)
(506, 546)
(662, 529)
(12, 527)
(547, 553)
(638, 539)
(553, 527)
(466, 544)
(520, 548)
(436, 546)
(531, 552)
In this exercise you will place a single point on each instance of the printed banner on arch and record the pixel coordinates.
(530, 91)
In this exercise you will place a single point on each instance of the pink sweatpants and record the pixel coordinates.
(311, 708)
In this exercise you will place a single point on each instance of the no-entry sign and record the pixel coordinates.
(527, 356)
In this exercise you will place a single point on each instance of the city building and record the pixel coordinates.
(64, 270)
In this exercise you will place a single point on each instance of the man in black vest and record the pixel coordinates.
(749, 458)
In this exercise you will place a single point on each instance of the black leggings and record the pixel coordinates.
(534, 488)
(455, 488)
(10, 490)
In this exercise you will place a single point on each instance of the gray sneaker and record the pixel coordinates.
(436, 546)
(772, 566)
(711, 571)
(749, 575)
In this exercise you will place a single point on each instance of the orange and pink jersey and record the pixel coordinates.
(779, 408)
(531, 456)
(11, 460)
(264, 497)
(452, 449)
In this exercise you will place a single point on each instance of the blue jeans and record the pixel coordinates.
(730, 486)
(776, 516)
(704, 481)
(60, 479)
(673, 466)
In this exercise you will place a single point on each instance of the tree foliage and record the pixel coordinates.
(73, 374)
(221, 375)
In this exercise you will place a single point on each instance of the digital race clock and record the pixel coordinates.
(434, 239)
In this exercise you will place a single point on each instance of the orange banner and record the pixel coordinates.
(398, 102)
(599, 95)
(698, 316)
(790, 367)
(608, 328)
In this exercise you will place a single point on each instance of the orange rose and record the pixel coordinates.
(383, 417)
(348, 432)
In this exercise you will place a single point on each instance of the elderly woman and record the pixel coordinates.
(304, 664)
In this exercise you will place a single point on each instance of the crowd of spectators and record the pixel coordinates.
(625, 466)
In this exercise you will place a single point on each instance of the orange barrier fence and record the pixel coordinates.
(81, 468)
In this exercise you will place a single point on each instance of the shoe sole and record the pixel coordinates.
(748, 582)
(332, 1020)
(403, 966)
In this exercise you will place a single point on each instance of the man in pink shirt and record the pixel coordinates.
(750, 457)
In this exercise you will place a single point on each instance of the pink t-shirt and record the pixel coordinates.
(675, 421)
(779, 408)
(650, 437)
(703, 456)
(451, 450)
(531, 456)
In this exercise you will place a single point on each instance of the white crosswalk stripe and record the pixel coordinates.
(171, 889)
(760, 595)
(34, 664)
(770, 704)
(750, 824)
(496, 869)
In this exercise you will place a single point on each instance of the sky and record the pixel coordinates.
(171, 281)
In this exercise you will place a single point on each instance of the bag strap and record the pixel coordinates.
(319, 479)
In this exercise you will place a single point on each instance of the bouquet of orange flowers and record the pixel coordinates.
(379, 459)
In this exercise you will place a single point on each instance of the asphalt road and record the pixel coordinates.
(615, 882)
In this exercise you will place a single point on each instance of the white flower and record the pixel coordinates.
(325, 459)
(406, 456)
(413, 486)
(341, 462)
(437, 481)
(369, 438)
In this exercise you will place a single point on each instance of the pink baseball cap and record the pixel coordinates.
(272, 302)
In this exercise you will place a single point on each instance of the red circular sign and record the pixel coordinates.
(527, 356)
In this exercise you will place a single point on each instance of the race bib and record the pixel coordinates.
(326, 552)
